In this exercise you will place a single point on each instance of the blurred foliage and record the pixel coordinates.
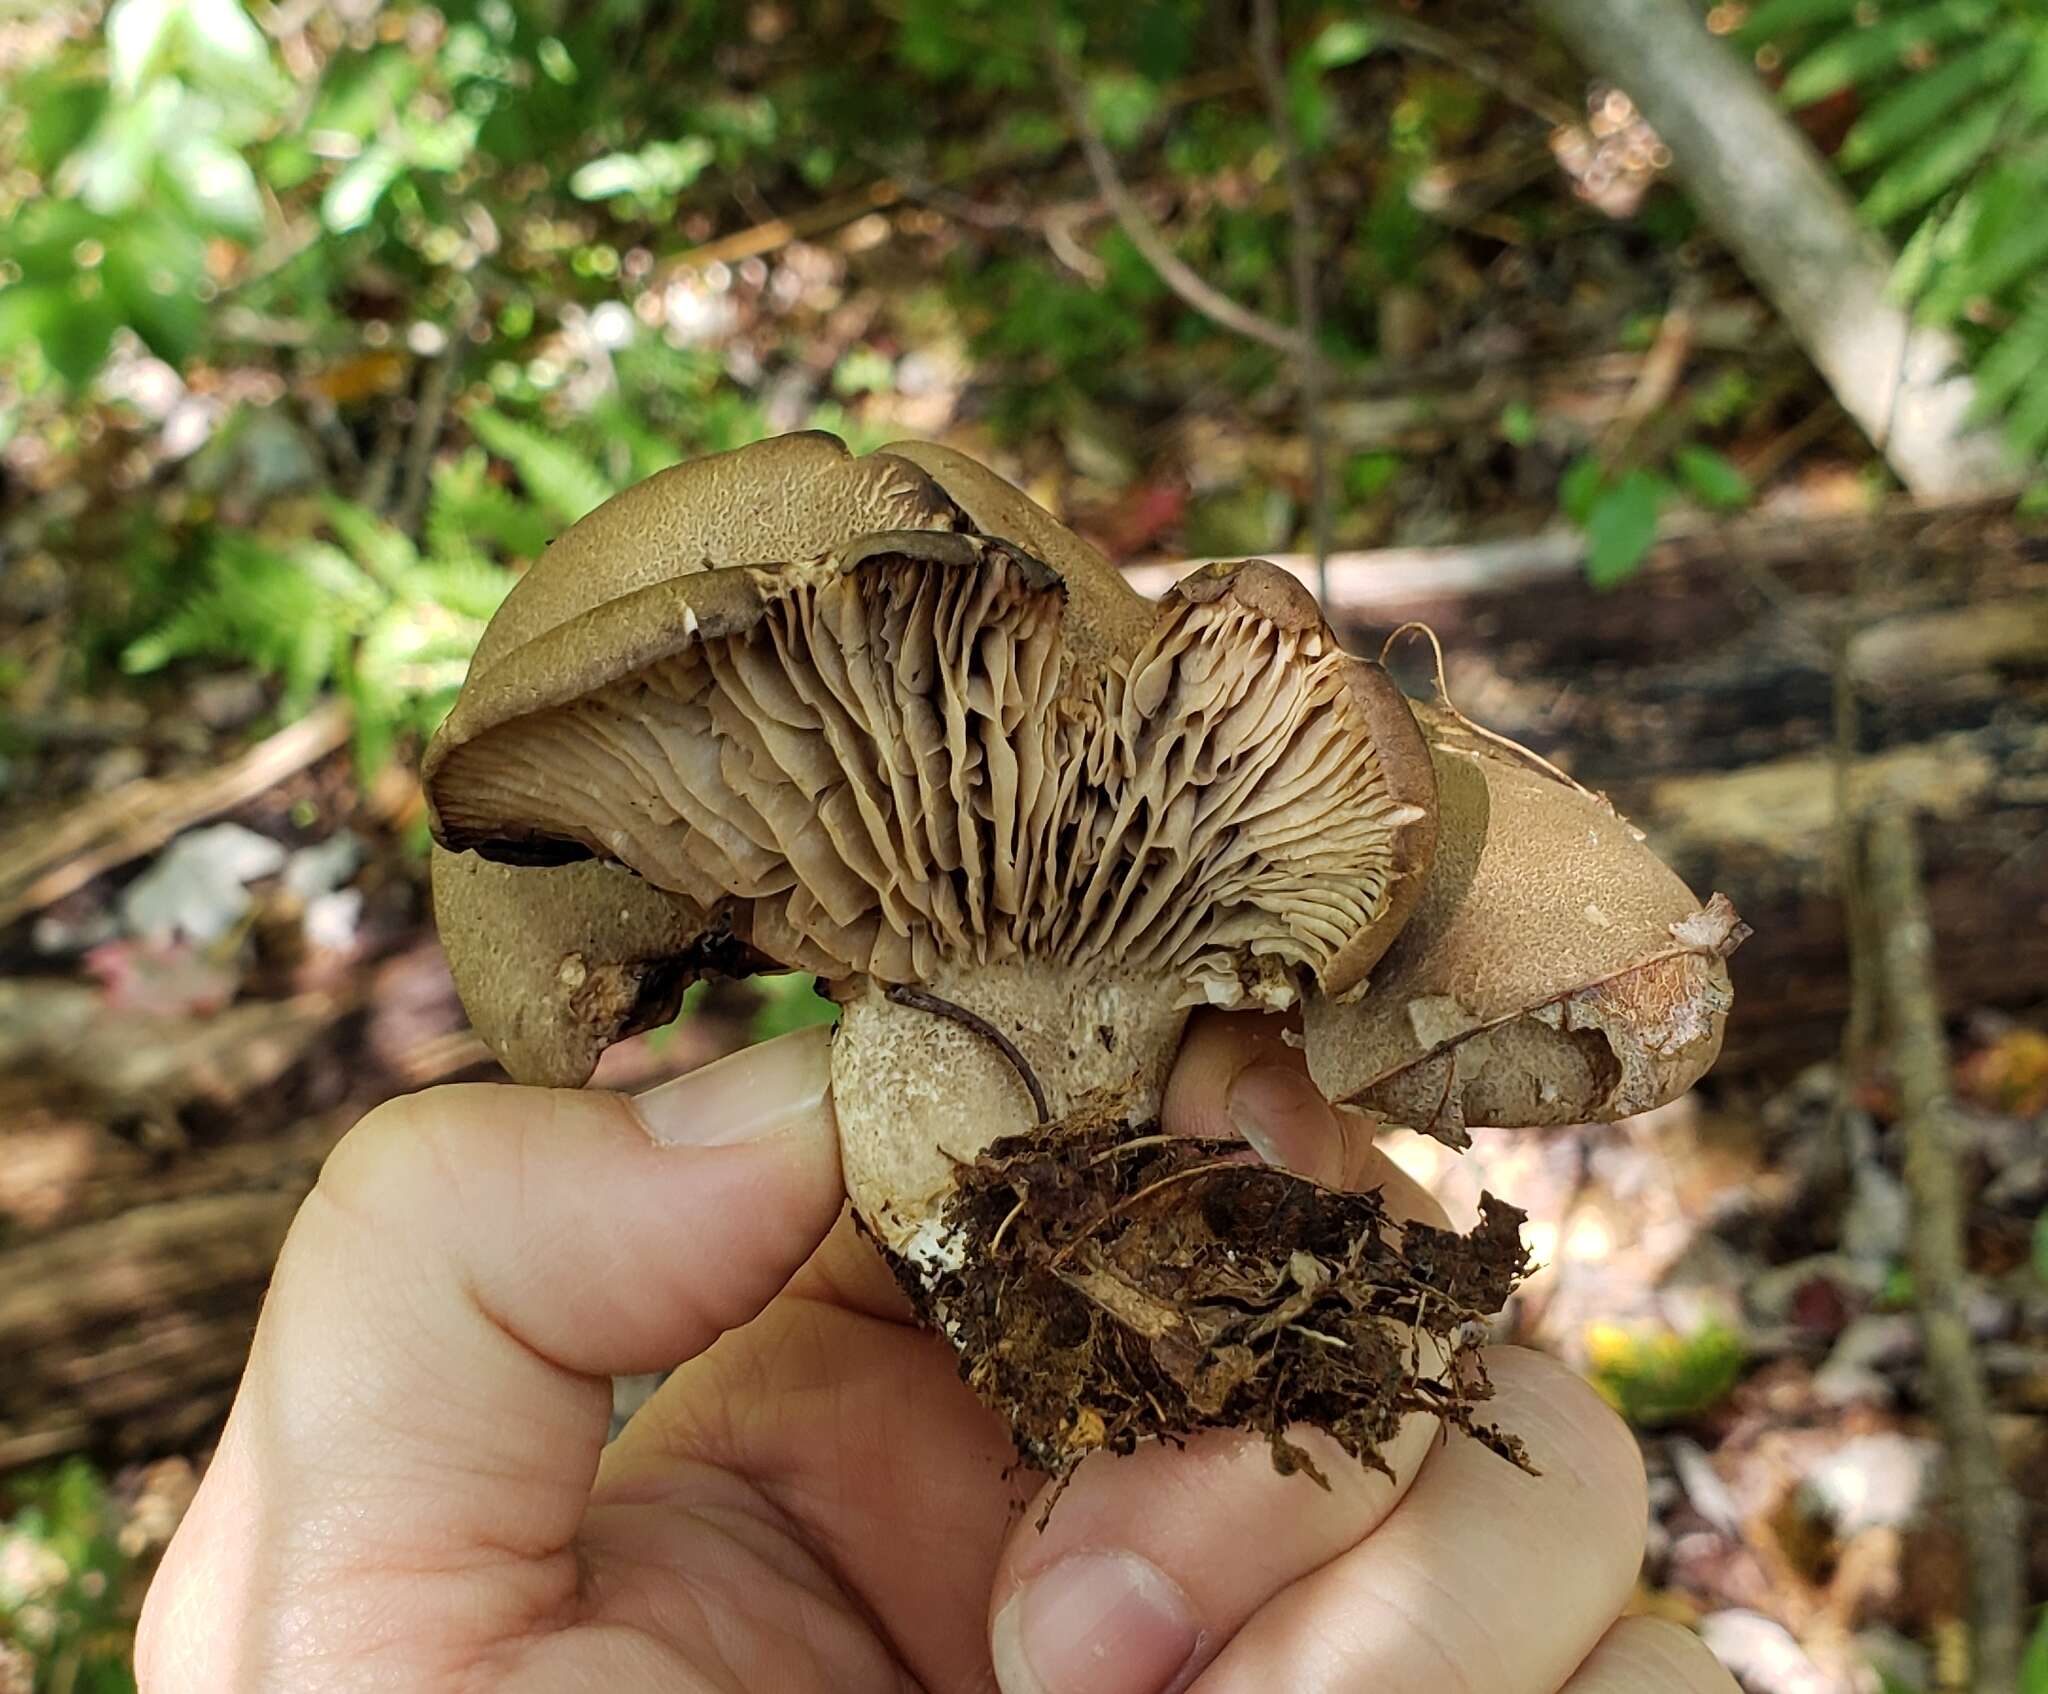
(2034, 1667)
(1950, 149)
(325, 318)
(1659, 1377)
(66, 1591)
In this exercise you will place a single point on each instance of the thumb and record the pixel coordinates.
(429, 1380)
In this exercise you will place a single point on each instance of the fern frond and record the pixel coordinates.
(1916, 105)
(1783, 17)
(2017, 357)
(555, 474)
(2029, 419)
(1864, 54)
(381, 549)
(2004, 244)
(1925, 174)
(469, 587)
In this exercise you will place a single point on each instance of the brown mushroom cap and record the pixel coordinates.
(1554, 970)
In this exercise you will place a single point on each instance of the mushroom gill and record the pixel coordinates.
(889, 755)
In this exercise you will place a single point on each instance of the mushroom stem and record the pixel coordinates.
(919, 1092)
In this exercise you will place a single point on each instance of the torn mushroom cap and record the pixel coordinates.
(1554, 971)
(914, 759)
(557, 962)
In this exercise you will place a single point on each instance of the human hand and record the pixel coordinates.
(414, 1490)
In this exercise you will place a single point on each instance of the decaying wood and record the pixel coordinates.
(60, 1039)
(126, 1334)
(1700, 697)
(45, 859)
(1988, 1511)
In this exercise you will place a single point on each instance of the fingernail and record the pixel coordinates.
(1287, 1122)
(748, 1096)
(1094, 1623)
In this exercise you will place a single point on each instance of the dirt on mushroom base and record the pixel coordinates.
(1106, 1284)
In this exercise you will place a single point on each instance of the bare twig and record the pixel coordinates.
(1137, 224)
(1987, 1510)
(1482, 68)
(1657, 377)
(45, 860)
(892, 188)
(430, 414)
(1308, 356)
(374, 490)
(1858, 941)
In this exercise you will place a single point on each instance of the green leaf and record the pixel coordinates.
(226, 51)
(2013, 254)
(2028, 424)
(2034, 1662)
(1657, 1377)
(217, 185)
(1930, 171)
(1714, 479)
(1368, 475)
(352, 196)
(1517, 423)
(662, 167)
(1862, 54)
(1342, 43)
(2041, 1247)
(138, 32)
(156, 300)
(1579, 487)
(1621, 526)
(2015, 357)
(1122, 104)
(1920, 102)
(789, 1003)
(62, 111)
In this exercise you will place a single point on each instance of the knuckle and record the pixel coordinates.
(393, 1143)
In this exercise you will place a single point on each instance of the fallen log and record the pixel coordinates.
(126, 1334)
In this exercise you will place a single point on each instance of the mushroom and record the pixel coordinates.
(885, 720)
(1019, 821)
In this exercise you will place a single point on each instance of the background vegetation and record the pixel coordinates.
(318, 320)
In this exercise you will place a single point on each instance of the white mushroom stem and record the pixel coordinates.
(919, 1090)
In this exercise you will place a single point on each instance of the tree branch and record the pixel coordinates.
(1987, 1510)
(1137, 224)
(1769, 195)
